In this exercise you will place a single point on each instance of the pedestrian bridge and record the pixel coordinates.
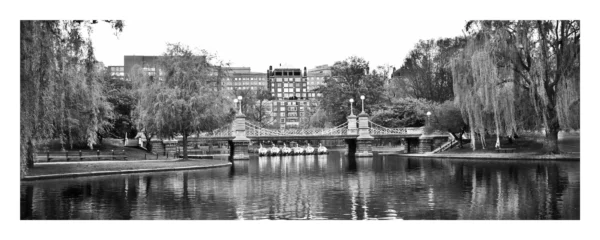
(342, 131)
(358, 132)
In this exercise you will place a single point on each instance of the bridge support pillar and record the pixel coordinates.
(240, 142)
(425, 144)
(364, 147)
(364, 142)
(240, 150)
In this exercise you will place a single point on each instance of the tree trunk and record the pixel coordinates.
(148, 143)
(185, 145)
(551, 141)
(552, 124)
(26, 156)
(30, 154)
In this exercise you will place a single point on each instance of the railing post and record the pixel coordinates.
(352, 130)
(80, 158)
(67, 155)
(48, 155)
(240, 141)
(98, 155)
(113, 154)
(124, 155)
(364, 140)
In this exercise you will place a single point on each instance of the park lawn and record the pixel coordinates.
(96, 166)
(532, 145)
(133, 153)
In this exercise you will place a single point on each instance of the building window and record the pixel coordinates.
(282, 114)
(301, 109)
(282, 109)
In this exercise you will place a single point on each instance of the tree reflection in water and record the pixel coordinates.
(333, 186)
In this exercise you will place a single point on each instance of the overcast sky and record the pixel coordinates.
(303, 35)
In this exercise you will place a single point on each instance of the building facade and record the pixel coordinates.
(147, 63)
(116, 72)
(239, 78)
(292, 89)
(316, 78)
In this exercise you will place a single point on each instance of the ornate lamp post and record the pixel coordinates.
(352, 121)
(235, 101)
(364, 139)
(240, 100)
(362, 97)
(428, 118)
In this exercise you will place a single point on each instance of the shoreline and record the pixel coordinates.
(141, 166)
(194, 166)
(499, 156)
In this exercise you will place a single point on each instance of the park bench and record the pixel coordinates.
(81, 155)
(505, 150)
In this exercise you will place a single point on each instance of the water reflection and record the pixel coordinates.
(331, 186)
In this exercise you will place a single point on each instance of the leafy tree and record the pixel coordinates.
(506, 61)
(254, 104)
(248, 100)
(144, 112)
(184, 100)
(403, 112)
(350, 79)
(60, 91)
(260, 115)
(426, 72)
(318, 119)
(121, 97)
(447, 117)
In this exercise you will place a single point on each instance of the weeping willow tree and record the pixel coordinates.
(484, 94)
(505, 61)
(61, 96)
(184, 99)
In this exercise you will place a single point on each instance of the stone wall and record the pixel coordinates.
(425, 144)
(411, 145)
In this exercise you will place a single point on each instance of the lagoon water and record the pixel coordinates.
(320, 187)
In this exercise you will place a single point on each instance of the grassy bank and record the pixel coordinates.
(133, 153)
(66, 168)
(528, 144)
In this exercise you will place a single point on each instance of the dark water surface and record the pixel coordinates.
(320, 187)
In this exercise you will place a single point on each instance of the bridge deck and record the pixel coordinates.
(304, 137)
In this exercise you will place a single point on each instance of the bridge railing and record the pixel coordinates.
(342, 129)
(376, 129)
(224, 131)
(253, 130)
